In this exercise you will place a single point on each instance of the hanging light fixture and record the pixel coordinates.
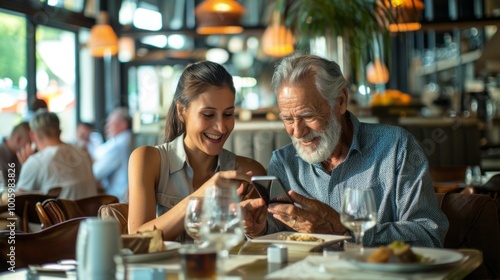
(277, 40)
(377, 72)
(219, 17)
(406, 14)
(103, 40)
(126, 49)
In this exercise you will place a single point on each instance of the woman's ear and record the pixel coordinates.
(180, 111)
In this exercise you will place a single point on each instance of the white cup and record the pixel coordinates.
(97, 243)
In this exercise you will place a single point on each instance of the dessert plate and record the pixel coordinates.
(434, 258)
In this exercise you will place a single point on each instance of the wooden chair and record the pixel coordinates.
(474, 223)
(116, 211)
(25, 207)
(55, 211)
(491, 188)
(49, 245)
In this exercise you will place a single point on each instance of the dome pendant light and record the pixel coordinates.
(103, 40)
(406, 14)
(277, 40)
(219, 17)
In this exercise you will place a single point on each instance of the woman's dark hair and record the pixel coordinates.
(195, 79)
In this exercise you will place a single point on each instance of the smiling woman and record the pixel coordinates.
(164, 177)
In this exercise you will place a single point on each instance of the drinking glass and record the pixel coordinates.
(473, 175)
(222, 219)
(358, 212)
(192, 220)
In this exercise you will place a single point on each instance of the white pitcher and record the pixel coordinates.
(98, 242)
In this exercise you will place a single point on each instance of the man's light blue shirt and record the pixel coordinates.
(385, 158)
(110, 165)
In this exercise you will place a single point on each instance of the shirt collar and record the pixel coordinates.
(178, 157)
(355, 145)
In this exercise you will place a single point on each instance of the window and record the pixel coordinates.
(55, 75)
(13, 80)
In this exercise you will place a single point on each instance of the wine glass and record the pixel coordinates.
(192, 219)
(358, 212)
(222, 223)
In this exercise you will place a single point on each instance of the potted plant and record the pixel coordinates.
(360, 23)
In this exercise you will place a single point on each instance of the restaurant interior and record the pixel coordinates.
(429, 66)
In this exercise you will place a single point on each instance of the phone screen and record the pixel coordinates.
(271, 189)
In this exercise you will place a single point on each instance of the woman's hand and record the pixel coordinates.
(254, 216)
(232, 178)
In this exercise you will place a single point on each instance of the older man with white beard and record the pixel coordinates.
(332, 150)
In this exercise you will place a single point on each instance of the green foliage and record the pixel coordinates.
(355, 20)
(12, 47)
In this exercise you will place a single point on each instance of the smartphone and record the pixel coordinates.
(271, 189)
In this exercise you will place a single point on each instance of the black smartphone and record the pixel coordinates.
(271, 189)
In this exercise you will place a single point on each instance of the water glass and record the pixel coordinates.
(222, 223)
(358, 212)
(192, 219)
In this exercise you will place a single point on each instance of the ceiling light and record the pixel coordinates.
(406, 14)
(103, 40)
(219, 17)
(277, 40)
(377, 72)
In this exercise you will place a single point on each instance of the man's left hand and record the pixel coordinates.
(312, 217)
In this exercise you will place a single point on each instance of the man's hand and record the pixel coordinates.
(24, 153)
(254, 216)
(312, 217)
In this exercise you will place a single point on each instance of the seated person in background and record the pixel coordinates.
(86, 137)
(111, 158)
(33, 107)
(164, 177)
(330, 151)
(17, 140)
(56, 164)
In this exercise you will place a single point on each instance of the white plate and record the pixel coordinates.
(438, 258)
(170, 251)
(280, 238)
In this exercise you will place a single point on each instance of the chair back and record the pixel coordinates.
(55, 211)
(54, 192)
(49, 245)
(474, 223)
(116, 211)
(25, 208)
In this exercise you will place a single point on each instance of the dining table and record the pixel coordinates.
(249, 260)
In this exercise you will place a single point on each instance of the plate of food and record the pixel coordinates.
(169, 250)
(401, 257)
(296, 241)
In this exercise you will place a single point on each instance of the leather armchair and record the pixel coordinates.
(474, 223)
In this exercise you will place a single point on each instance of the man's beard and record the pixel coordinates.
(328, 140)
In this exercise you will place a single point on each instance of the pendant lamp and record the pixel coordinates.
(103, 40)
(277, 40)
(219, 17)
(377, 72)
(406, 14)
